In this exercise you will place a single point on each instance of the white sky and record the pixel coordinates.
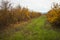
(36, 5)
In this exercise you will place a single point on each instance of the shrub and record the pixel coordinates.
(53, 15)
(9, 15)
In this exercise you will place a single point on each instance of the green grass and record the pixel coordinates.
(34, 30)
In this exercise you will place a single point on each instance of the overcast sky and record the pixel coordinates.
(35, 5)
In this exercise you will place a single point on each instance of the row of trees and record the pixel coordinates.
(53, 15)
(9, 15)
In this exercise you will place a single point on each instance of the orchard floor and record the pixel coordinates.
(36, 29)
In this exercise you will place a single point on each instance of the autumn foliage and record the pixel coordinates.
(53, 15)
(9, 15)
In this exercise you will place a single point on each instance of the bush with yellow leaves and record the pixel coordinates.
(53, 15)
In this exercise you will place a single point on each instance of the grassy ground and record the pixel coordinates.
(34, 30)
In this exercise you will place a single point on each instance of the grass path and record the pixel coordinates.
(34, 30)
